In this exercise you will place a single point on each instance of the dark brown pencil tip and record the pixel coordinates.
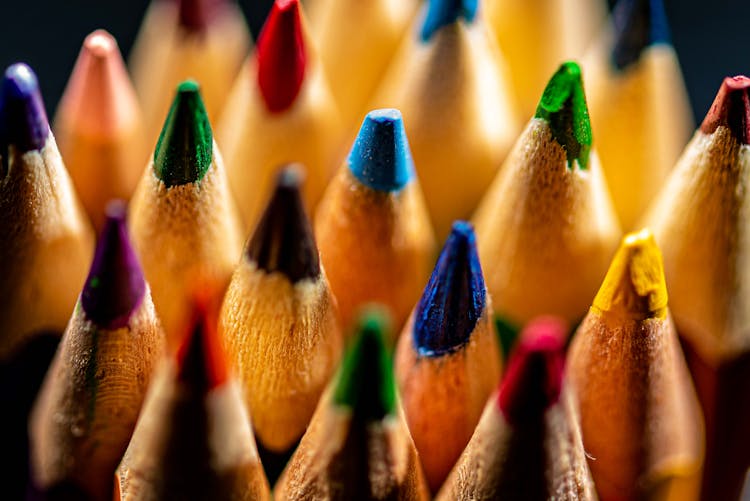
(731, 108)
(197, 15)
(533, 379)
(283, 241)
(201, 361)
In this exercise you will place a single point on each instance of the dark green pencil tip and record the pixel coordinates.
(563, 105)
(365, 381)
(185, 148)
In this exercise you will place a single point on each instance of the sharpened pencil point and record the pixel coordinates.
(282, 57)
(380, 157)
(533, 380)
(444, 12)
(23, 121)
(563, 105)
(635, 283)
(454, 298)
(638, 24)
(365, 381)
(283, 241)
(115, 285)
(201, 362)
(731, 109)
(196, 15)
(185, 148)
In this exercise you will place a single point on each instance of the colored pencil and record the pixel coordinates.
(91, 397)
(640, 113)
(448, 358)
(183, 220)
(279, 322)
(47, 239)
(280, 110)
(546, 228)
(536, 35)
(700, 221)
(357, 40)
(357, 445)
(451, 84)
(99, 128)
(194, 439)
(527, 445)
(204, 40)
(372, 225)
(640, 418)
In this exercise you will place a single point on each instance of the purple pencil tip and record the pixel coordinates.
(23, 121)
(115, 286)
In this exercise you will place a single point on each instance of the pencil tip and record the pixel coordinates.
(196, 15)
(185, 148)
(23, 121)
(563, 105)
(115, 285)
(444, 12)
(731, 109)
(281, 56)
(365, 381)
(638, 24)
(533, 379)
(201, 362)
(380, 157)
(635, 283)
(100, 44)
(454, 298)
(283, 241)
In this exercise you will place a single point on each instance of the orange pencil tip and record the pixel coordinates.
(201, 360)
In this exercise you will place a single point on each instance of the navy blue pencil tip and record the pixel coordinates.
(23, 121)
(638, 24)
(454, 298)
(380, 158)
(444, 12)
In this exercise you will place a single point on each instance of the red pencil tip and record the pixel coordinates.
(533, 379)
(731, 108)
(281, 56)
(201, 360)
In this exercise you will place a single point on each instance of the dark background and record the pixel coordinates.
(710, 37)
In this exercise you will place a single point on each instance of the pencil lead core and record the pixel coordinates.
(283, 241)
(185, 148)
(731, 109)
(635, 284)
(201, 362)
(197, 15)
(365, 381)
(23, 121)
(638, 24)
(444, 12)
(563, 105)
(115, 285)
(454, 298)
(380, 157)
(533, 380)
(281, 56)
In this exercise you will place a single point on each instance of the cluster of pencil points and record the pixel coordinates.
(343, 357)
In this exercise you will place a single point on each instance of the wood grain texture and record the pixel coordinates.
(89, 403)
(375, 246)
(444, 396)
(182, 235)
(454, 94)
(284, 341)
(545, 232)
(45, 233)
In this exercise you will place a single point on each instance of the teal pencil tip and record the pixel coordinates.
(185, 148)
(444, 12)
(365, 381)
(563, 105)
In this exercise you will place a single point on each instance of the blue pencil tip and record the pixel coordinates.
(444, 12)
(381, 158)
(454, 298)
(23, 121)
(638, 24)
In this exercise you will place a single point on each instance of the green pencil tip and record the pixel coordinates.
(185, 148)
(365, 381)
(563, 105)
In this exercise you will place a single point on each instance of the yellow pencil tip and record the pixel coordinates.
(634, 285)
